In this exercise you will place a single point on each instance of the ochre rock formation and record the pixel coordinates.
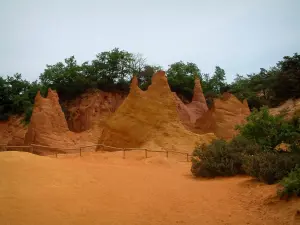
(91, 109)
(288, 108)
(48, 125)
(189, 113)
(150, 118)
(183, 112)
(17, 138)
(198, 106)
(12, 132)
(221, 119)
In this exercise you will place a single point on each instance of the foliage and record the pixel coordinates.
(295, 120)
(145, 74)
(270, 167)
(270, 87)
(17, 96)
(221, 158)
(181, 78)
(253, 151)
(112, 70)
(267, 130)
(242, 89)
(68, 78)
(287, 78)
(27, 115)
(217, 82)
(290, 185)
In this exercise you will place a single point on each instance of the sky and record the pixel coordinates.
(241, 36)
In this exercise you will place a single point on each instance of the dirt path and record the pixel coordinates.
(105, 189)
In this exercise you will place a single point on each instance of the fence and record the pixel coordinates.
(33, 149)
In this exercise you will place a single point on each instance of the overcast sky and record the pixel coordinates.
(241, 36)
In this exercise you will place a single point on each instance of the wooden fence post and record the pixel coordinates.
(167, 154)
(187, 157)
(123, 153)
(31, 149)
(80, 151)
(146, 153)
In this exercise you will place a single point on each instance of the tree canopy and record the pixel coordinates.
(112, 71)
(270, 87)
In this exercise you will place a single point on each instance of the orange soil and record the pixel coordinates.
(103, 188)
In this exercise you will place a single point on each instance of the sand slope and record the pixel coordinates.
(105, 189)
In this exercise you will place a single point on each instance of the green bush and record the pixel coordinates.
(290, 185)
(295, 120)
(267, 130)
(270, 167)
(27, 115)
(221, 158)
(242, 156)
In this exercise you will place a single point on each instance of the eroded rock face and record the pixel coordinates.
(198, 106)
(183, 112)
(12, 132)
(223, 117)
(48, 126)
(150, 118)
(189, 113)
(91, 109)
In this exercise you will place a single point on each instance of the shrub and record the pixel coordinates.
(270, 167)
(27, 115)
(295, 120)
(290, 185)
(267, 130)
(221, 158)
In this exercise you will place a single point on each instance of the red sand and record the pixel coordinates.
(103, 188)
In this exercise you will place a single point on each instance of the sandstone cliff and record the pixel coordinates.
(48, 125)
(150, 118)
(184, 113)
(198, 106)
(222, 118)
(91, 109)
(12, 132)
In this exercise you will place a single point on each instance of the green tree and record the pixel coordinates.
(243, 89)
(113, 65)
(113, 69)
(16, 96)
(287, 81)
(67, 78)
(267, 130)
(217, 81)
(145, 75)
(181, 78)
(270, 87)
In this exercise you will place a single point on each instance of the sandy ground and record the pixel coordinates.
(103, 188)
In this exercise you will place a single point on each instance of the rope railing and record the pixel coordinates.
(58, 150)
